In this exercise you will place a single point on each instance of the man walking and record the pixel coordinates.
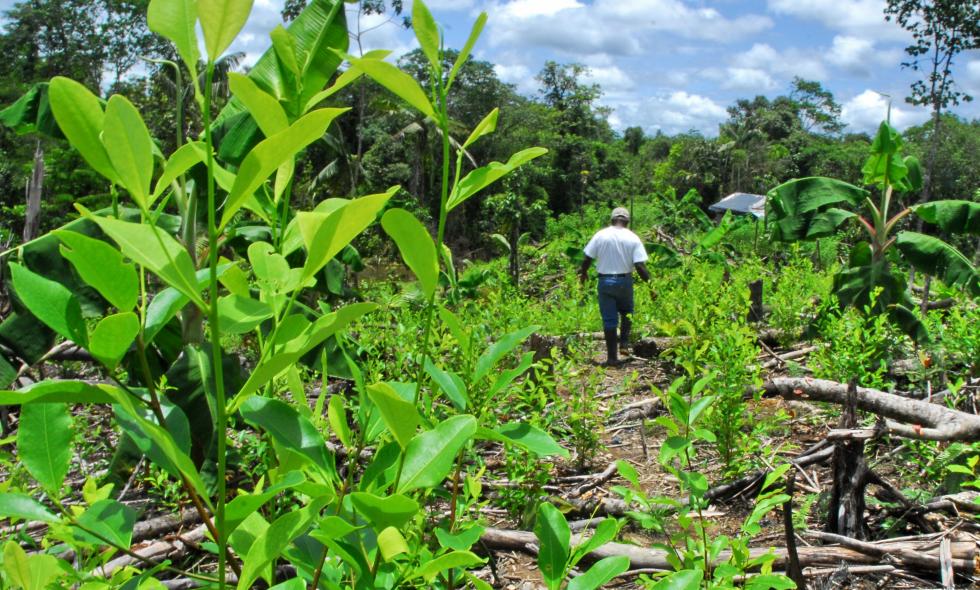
(617, 251)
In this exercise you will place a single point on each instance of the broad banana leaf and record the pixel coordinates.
(807, 208)
(855, 284)
(32, 114)
(933, 256)
(955, 217)
(321, 27)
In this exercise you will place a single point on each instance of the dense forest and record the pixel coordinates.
(325, 321)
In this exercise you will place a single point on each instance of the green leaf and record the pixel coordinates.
(60, 391)
(221, 21)
(264, 108)
(290, 429)
(482, 177)
(485, 127)
(172, 456)
(450, 383)
(80, 117)
(452, 560)
(127, 141)
(176, 20)
(956, 217)
(273, 152)
(29, 572)
(601, 573)
(270, 545)
(933, 256)
(186, 157)
(332, 528)
(242, 506)
(604, 533)
(155, 249)
(682, 580)
(391, 543)
(50, 302)
(526, 436)
(337, 416)
(166, 303)
(22, 506)
(290, 348)
(498, 350)
(320, 28)
(396, 81)
(415, 245)
(399, 415)
(430, 455)
(110, 520)
(382, 512)
(285, 48)
(44, 446)
(427, 33)
(769, 582)
(242, 314)
(31, 113)
(464, 53)
(112, 337)
(461, 541)
(554, 538)
(102, 267)
(806, 208)
(326, 234)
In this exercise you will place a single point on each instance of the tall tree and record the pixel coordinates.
(818, 111)
(941, 30)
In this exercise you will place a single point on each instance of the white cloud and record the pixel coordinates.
(611, 26)
(675, 112)
(867, 110)
(972, 77)
(859, 56)
(448, 5)
(610, 78)
(865, 18)
(782, 64)
(747, 79)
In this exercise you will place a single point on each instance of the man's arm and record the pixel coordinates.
(641, 269)
(583, 272)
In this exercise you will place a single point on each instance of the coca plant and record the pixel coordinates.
(354, 524)
(814, 207)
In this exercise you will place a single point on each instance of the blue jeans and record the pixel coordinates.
(615, 299)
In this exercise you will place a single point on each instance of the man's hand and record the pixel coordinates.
(583, 271)
(582, 277)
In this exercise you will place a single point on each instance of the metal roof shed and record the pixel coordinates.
(742, 203)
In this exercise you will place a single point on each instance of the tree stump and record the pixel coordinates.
(845, 514)
(755, 307)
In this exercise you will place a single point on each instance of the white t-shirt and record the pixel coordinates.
(615, 250)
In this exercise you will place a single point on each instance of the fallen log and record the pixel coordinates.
(920, 555)
(169, 548)
(909, 418)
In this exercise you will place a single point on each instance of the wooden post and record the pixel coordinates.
(755, 307)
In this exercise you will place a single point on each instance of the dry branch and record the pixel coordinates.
(906, 417)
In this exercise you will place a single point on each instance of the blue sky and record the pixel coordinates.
(675, 65)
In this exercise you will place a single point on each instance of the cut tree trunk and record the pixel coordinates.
(32, 217)
(905, 417)
(845, 513)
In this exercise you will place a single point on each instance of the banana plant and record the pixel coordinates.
(814, 207)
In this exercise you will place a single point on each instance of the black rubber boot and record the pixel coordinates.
(625, 328)
(612, 350)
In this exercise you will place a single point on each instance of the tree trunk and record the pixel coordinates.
(845, 514)
(35, 185)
